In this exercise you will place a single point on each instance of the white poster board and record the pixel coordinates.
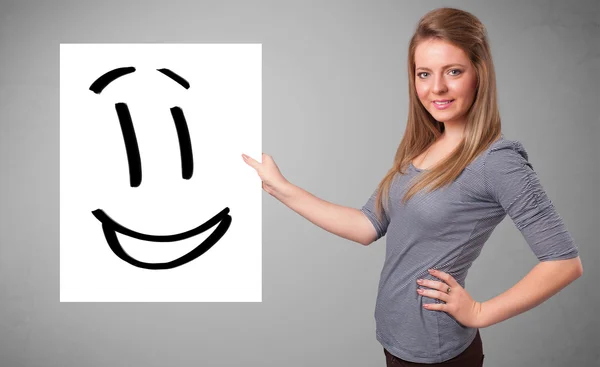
(156, 202)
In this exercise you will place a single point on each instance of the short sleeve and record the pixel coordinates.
(512, 183)
(369, 210)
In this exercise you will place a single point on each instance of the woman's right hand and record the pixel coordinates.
(272, 179)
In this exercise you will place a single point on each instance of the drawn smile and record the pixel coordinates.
(110, 229)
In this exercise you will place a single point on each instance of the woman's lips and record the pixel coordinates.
(443, 106)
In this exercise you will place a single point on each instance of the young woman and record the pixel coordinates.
(454, 178)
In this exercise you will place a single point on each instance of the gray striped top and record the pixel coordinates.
(446, 230)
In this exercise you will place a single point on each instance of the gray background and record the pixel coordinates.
(334, 110)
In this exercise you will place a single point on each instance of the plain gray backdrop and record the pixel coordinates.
(334, 110)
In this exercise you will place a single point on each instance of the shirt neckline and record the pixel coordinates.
(418, 169)
(427, 170)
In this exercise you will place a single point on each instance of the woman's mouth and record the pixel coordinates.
(443, 105)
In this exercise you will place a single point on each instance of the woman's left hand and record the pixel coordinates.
(459, 303)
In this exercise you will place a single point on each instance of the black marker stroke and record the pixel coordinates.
(110, 229)
(131, 145)
(175, 77)
(185, 143)
(101, 83)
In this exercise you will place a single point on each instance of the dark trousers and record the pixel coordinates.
(470, 357)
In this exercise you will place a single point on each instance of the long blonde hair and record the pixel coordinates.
(483, 126)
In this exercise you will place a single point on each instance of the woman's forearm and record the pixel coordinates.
(545, 280)
(346, 222)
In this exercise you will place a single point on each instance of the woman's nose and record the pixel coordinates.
(439, 85)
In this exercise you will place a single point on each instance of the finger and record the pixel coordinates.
(435, 306)
(434, 294)
(445, 277)
(432, 284)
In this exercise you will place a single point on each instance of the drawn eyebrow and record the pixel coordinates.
(99, 84)
(185, 143)
(175, 77)
(131, 145)
(443, 67)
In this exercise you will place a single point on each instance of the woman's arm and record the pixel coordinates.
(545, 280)
(346, 222)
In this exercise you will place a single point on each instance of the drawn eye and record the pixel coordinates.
(129, 137)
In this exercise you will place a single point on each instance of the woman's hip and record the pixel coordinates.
(471, 357)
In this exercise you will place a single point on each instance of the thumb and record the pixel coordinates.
(251, 161)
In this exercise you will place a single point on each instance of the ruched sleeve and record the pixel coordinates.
(369, 210)
(512, 183)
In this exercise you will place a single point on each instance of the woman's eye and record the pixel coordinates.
(458, 73)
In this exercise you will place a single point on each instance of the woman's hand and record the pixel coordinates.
(272, 179)
(459, 303)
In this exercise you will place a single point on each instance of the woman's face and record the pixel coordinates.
(444, 72)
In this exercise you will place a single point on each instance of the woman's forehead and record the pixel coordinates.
(437, 53)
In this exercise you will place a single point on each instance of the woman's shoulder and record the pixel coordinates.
(505, 151)
(499, 148)
(503, 155)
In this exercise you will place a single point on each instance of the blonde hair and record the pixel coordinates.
(483, 126)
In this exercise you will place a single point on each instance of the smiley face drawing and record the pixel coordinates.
(150, 137)
(110, 227)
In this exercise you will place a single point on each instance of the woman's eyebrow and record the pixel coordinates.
(443, 67)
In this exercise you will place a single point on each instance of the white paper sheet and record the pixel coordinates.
(175, 165)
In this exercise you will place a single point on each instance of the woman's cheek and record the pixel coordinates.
(422, 93)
